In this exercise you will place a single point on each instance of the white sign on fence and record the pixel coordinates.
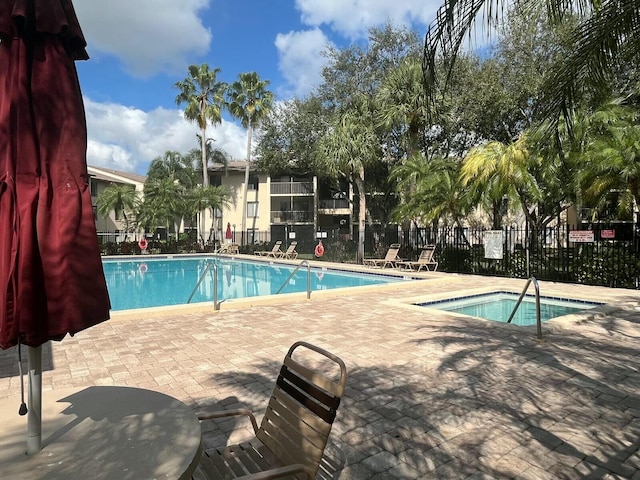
(581, 236)
(493, 244)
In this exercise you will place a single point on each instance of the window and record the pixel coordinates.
(253, 182)
(252, 209)
(93, 187)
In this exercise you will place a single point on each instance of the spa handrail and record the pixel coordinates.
(304, 262)
(210, 265)
(524, 290)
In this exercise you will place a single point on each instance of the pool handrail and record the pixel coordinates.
(524, 291)
(210, 265)
(303, 262)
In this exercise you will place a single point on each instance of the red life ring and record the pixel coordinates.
(143, 244)
(319, 251)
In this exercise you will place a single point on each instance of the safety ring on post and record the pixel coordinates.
(143, 244)
(142, 268)
(319, 251)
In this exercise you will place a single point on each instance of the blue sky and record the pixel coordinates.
(140, 48)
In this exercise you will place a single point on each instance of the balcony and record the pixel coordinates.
(333, 204)
(291, 188)
(295, 216)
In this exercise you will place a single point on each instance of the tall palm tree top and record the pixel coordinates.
(202, 93)
(248, 98)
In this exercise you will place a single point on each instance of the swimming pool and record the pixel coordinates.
(155, 282)
(497, 306)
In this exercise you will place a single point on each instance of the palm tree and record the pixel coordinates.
(348, 148)
(250, 102)
(403, 104)
(607, 30)
(204, 98)
(118, 198)
(173, 165)
(201, 198)
(430, 190)
(163, 202)
(613, 155)
(496, 172)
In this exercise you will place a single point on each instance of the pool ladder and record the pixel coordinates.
(214, 267)
(302, 263)
(524, 291)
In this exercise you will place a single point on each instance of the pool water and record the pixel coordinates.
(138, 283)
(499, 305)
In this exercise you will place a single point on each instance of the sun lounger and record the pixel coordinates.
(290, 253)
(295, 428)
(271, 253)
(425, 260)
(389, 260)
(228, 248)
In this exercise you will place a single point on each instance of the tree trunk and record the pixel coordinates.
(362, 214)
(246, 183)
(203, 148)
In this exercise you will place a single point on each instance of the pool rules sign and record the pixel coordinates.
(493, 244)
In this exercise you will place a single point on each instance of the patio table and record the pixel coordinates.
(103, 433)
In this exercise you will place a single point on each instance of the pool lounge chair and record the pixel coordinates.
(425, 260)
(271, 253)
(228, 248)
(290, 253)
(390, 259)
(295, 428)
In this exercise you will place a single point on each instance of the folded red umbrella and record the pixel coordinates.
(51, 277)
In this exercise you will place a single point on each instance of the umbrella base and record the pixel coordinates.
(102, 433)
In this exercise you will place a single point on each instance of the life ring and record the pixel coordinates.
(143, 244)
(142, 268)
(319, 251)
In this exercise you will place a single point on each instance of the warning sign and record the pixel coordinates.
(581, 236)
(493, 242)
(608, 234)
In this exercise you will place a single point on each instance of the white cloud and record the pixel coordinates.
(301, 60)
(353, 18)
(148, 36)
(127, 139)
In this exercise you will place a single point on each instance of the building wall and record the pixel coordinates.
(234, 179)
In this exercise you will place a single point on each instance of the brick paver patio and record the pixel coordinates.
(428, 396)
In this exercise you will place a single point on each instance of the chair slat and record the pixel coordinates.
(298, 410)
(287, 449)
(242, 456)
(211, 465)
(317, 436)
(231, 461)
(313, 377)
(330, 401)
(298, 431)
(327, 414)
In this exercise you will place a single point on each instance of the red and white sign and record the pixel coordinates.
(581, 236)
(608, 234)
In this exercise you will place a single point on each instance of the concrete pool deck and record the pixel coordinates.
(429, 395)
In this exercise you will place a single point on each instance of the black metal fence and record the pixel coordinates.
(607, 255)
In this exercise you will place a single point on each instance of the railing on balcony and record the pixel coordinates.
(291, 188)
(295, 216)
(333, 204)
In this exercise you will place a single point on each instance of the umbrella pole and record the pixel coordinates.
(34, 416)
